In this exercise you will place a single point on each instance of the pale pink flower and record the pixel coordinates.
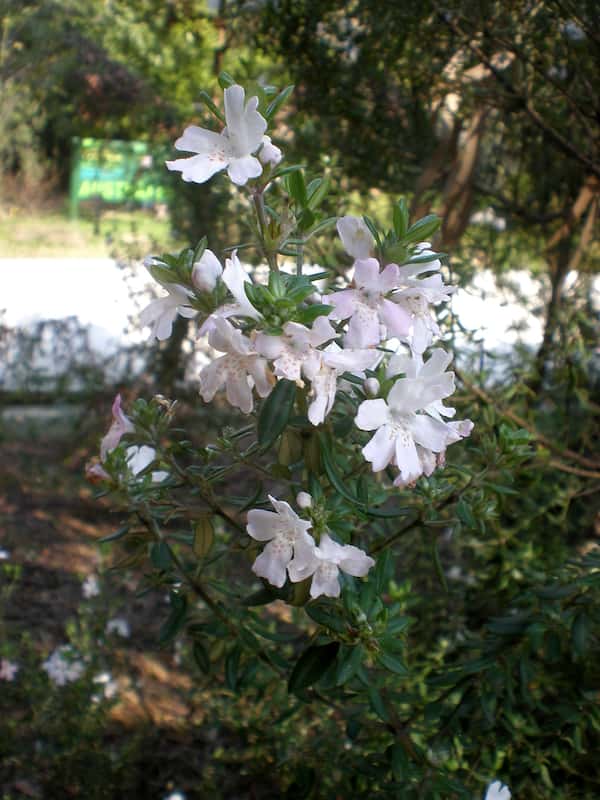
(121, 425)
(284, 531)
(238, 370)
(356, 237)
(160, 314)
(231, 149)
(8, 670)
(497, 791)
(400, 429)
(324, 564)
(295, 352)
(372, 316)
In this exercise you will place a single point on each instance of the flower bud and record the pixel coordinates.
(371, 387)
(303, 500)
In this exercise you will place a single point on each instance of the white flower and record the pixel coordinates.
(8, 670)
(140, 457)
(416, 295)
(63, 667)
(335, 361)
(206, 271)
(270, 153)
(399, 428)
(324, 564)
(294, 353)
(4, 554)
(284, 531)
(120, 626)
(175, 796)
(160, 314)
(356, 237)
(238, 370)
(90, 587)
(110, 687)
(231, 149)
(497, 791)
(367, 306)
(121, 425)
(235, 278)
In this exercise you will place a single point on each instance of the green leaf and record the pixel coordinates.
(201, 656)
(232, 663)
(349, 660)
(207, 100)
(399, 761)
(400, 218)
(199, 249)
(275, 412)
(311, 665)
(123, 531)
(225, 80)
(335, 479)
(579, 633)
(276, 104)
(160, 555)
(204, 536)
(423, 229)
(306, 316)
(317, 191)
(392, 663)
(376, 703)
(326, 616)
(297, 187)
(176, 618)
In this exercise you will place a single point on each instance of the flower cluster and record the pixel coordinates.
(373, 330)
(63, 666)
(293, 550)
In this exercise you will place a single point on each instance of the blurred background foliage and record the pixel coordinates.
(483, 112)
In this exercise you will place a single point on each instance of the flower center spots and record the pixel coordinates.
(370, 297)
(399, 428)
(327, 571)
(417, 305)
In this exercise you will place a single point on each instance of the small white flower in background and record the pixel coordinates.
(63, 666)
(8, 670)
(110, 688)
(121, 425)
(140, 457)
(284, 531)
(269, 152)
(400, 429)
(175, 796)
(497, 791)
(367, 306)
(231, 149)
(90, 587)
(206, 271)
(161, 313)
(324, 564)
(120, 626)
(238, 370)
(356, 237)
(4, 554)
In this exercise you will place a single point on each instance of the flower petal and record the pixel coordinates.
(241, 170)
(372, 414)
(199, 140)
(271, 564)
(200, 168)
(380, 450)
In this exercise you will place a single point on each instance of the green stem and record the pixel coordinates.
(259, 205)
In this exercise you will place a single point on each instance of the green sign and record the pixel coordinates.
(114, 171)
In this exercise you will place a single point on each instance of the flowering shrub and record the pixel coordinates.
(278, 541)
